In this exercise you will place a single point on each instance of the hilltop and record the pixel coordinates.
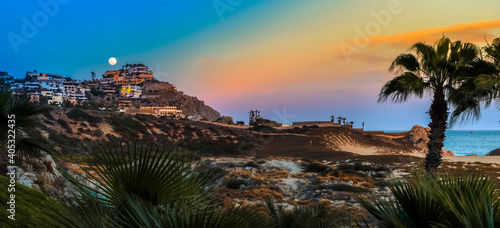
(131, 87)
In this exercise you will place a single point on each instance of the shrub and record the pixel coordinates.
(80, 115)
(64, 140)
(97, 133)
(210, 175)
(263, 129)
(236, 183)
(316, 167)
(48, 116)
(65, 125)
(439, 200)
(252, 164)
(348, 188)
(210, 147)
(126, 126)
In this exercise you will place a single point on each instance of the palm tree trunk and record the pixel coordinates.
(439, 116)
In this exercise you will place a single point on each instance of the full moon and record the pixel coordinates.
(112, 61)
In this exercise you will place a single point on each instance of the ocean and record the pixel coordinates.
(467, 142)
(479, 142)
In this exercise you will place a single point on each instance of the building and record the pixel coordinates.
(70, 87)
(130, 74)
(140, 112)
(131, 91)
(57, 98)
(164, 110)
(124, 104)
(45, 76)
(34, 96)
(316, 123)
(76, 98)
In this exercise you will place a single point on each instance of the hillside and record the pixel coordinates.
(32, 208)
(294, 166)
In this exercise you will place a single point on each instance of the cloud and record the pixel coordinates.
(378, 51)
(468, 32)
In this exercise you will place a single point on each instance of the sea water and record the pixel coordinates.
(478, 142)
(467, 142)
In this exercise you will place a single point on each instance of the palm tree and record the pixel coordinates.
(312, 216)
(139, 185)
(92, 75)
(332, 118)
(432, 200)
(351, 123)
(339, 119)
(480, 85)
(431, 69)
(17, 115)
(344, 119)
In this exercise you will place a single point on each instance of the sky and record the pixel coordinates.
(292, 60)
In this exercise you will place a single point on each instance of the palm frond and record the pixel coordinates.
(404, 62)
(448, 200)
(402, 87)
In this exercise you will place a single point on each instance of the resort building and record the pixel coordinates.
(76, 98)
(130, 74)
(316, 123)
(124, 104)
(140, 112)
(164, 110)
(57, 98)
(132, 91)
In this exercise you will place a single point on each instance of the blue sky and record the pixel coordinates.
(238, 55)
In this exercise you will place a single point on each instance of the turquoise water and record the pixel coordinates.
(464, 142)
(480, 142)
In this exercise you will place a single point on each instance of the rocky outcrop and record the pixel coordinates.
(418, 135)
(192, 106)
(42, 175)
(495, 152)
(225, 120)
(166, 94)
(446, 152)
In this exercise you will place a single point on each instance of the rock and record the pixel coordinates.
(446, 152)
(382, 174)
(225, 120)
(495, 152)
(27, 179)
(418, 135)
(167, 94)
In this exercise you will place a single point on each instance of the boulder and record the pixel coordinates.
(418, 135)
(495, 152)
(446, 152)
(225, 120)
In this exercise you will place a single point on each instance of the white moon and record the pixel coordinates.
(112, 61)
